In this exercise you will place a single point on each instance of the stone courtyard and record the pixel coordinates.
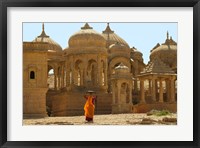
(110, 119)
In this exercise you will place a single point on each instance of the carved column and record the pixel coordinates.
(135, 85)
(168, 89)
(55, 77)
(142, 91)
(153, 89)
(172, 87)
(81, 77)
(130, 93)
(118, 91)
(150, 87)
(113, 93)
(160, 91)
(106, 73)
(62, 76)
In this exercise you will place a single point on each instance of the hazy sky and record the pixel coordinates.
(143, 36)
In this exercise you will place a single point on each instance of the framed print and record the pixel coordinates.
(102, 73)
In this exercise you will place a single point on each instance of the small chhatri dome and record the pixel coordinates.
(167, 52)
(121, 68)
(136, 54)
(87, 37)
(111, 37)
(46, 39)
(118, 46)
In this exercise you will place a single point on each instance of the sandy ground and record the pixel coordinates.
(112, 119)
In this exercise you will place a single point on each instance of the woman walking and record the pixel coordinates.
(89, 105)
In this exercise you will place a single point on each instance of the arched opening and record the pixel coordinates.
(113, 68)
(78, 73)
(32, 75)
(50, 78)
(92, 72)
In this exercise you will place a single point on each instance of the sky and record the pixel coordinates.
(143, 36)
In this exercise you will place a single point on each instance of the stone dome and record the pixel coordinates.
(46, 39)
(167, 52)
(118, 46)
(121, 68)
(118, 50)
(136, 54)
(112, 37)
(87, 37)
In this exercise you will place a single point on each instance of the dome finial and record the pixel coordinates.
(43, 34)
(108, 30)
(167, 35)
(86, 26)
(42, 26)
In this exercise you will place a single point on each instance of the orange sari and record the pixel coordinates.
(89, 107)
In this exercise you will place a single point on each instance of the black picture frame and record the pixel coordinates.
(4, 4)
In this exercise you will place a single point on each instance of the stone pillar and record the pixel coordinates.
(118, 92)
(99, 71)
(73, 70)
(62, 77)
(135, 85)
(113, 93)
(150, 87)
(167, 89)
(81, 77)
(58, 81)
(55, 77)
(130, 93)
(153, 89)
(172, 89)
(106, 73)
(67, 77)
(55, 81)
(142, 100)
(100, 77)
(160, 91)
(156, 88)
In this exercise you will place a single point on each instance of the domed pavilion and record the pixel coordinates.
(99, 61)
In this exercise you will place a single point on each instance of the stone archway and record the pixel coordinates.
(91, 72)
(50, 78)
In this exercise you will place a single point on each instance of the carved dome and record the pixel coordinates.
(121, 68)
(118, 50)
(87, 37)
(167, 52)
(118, 46)
(136, 54)
(112, 37)
(46, 39)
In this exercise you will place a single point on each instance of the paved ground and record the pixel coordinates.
(112, 119)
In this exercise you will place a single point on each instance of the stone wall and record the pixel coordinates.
(72, 104)
(143, 108)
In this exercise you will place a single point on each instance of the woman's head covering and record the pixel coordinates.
(90, 91)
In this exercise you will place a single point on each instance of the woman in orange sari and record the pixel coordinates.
(89, 106)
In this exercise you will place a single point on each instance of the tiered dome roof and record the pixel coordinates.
(53, 46)
(167, 52)
(87, 37)
(112, 37)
